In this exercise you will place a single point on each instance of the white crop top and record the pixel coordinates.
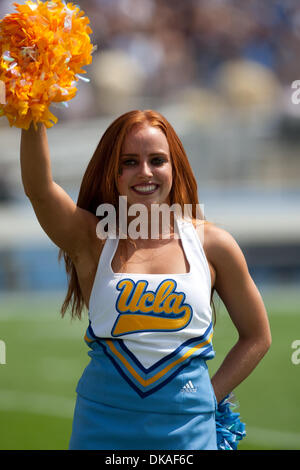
(148, 321)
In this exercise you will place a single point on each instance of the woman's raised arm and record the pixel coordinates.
(68, 226)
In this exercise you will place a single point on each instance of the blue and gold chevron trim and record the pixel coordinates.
(146, 381)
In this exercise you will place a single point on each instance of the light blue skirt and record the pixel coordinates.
(101, 427)
(111, 415)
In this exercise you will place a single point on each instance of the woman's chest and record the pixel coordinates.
(169, 258)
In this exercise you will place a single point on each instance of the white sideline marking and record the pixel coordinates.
(62, 407)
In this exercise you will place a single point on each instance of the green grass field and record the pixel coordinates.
(45, 357)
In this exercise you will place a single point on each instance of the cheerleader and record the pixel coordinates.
(149, 299)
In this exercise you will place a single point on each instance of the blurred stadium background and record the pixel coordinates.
(221, 72)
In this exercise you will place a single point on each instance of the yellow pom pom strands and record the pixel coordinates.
(43, 47)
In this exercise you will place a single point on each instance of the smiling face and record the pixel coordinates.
(145, 166)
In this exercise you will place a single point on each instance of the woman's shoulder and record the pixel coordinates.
(210, 234)
(219, 245)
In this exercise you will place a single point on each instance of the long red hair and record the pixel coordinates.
(99, 183)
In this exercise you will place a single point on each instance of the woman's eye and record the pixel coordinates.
(158, 161)
(129, 162)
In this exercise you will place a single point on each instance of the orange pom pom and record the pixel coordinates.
(43, 48)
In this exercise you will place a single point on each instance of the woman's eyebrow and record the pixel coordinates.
(151, 154)
(129, 155)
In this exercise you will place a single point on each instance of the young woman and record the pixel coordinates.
(149, 299)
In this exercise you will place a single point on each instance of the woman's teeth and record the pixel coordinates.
(145, 189)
